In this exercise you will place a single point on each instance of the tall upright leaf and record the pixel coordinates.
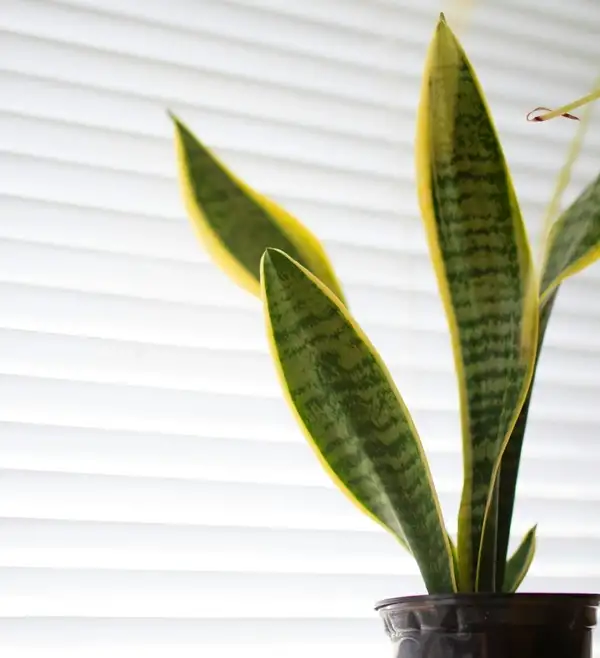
(511, 458)
(572, 245)
(484, 268)
(352, 414)
(510, 461)
(236, 224)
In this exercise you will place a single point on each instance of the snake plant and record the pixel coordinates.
(497, 308)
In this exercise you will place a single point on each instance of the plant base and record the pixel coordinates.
(491, 625)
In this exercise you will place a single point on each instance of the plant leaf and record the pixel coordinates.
(573, 243)
(352, 414)
(454, 553)
(519, 563)
(485, 274)
(236, 224)
(511, 458)
(563, 259)
(574, 240)
(509, 467)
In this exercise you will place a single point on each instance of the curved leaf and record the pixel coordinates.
(518, 565)
(570, 249)
(580, 222)
(509, 467)
(236, 224)
(574, 240)
(485, 274)
(574, 243)
(353, 416)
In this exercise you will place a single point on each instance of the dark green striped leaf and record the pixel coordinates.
(485, 274)
(236, 224)
(519, 563)
(353, 416)
(573, 243)
(511, 458)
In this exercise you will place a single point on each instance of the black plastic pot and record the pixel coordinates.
(491, 625)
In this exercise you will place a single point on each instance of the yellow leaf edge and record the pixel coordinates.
(519, 406)
(307, 242)
(289, 400)
(300, 235)
(550, 225)
(530, 327)
(208, 238)
(590, 257)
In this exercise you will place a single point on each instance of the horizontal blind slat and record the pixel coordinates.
(121, 317)
(41, 448)
(236, 371)
(92, 593)
(82, 497)
(33, 134)
(166, 75)
(276, 29)
(409, 301)
(68, 544)
(250, 634)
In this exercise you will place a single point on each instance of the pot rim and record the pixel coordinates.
(492, 598)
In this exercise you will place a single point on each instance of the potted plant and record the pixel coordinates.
(345, 400)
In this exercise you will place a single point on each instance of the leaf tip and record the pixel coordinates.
(273, 260)
(444, 37)
(175, 119)
(272, 255)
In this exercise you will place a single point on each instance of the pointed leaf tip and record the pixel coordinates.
(442, 17)
(518, 565)
(272, 256)
(175, 119)
(236, 223)
(267, 260)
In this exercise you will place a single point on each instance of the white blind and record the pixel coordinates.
(156, 498)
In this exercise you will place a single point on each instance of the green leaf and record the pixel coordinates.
(573, 243)
(454, 553)
(519, 563)
(509, 467)
(574, 240)
(511, 458)
(236, 224)
(485, 274)
(346, 403)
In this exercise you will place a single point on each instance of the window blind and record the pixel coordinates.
(156, 498)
